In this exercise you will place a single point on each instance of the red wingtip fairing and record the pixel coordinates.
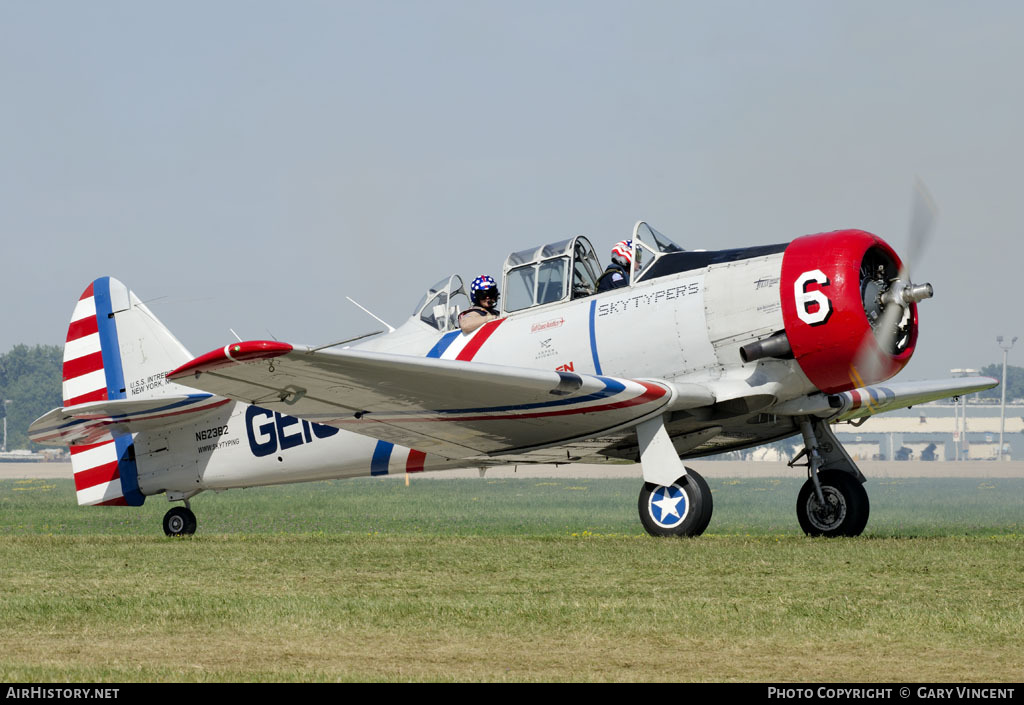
(229, 355)
(831, 284)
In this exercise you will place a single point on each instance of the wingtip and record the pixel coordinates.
(231, 354)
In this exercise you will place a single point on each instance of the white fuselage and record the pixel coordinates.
(685, 327)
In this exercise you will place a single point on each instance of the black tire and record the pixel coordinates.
(847, 506)
(681, 509)
(179, 521)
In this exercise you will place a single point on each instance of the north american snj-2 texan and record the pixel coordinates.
(703, 352)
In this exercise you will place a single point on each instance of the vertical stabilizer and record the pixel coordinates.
(115, 349)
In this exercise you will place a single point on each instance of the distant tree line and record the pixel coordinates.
(1014, 383)
(30, 385)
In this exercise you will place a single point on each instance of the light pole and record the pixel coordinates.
(963, 372)
(956, 423)
(1002, 402)
(8, 401)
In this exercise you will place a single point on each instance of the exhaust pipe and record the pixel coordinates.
(776, 346)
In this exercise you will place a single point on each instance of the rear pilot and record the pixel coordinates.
(484, 293)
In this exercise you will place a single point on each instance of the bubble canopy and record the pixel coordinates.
(548, 274)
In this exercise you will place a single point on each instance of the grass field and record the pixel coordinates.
(519, 580)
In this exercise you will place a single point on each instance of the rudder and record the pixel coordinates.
(117, 349)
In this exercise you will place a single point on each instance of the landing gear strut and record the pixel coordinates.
(180, 521)
(675, 500)
(833, 501)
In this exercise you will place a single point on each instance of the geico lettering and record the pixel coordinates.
(269, 431)
(323, 430)
(262, 436)
(285, 438)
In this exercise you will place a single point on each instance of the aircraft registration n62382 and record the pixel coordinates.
(699, 352)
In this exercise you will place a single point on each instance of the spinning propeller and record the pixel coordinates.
(888, 293)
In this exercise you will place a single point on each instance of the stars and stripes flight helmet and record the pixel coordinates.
(622, 253)
(483, 285)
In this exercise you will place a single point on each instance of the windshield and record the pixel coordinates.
(549, 273)
(651, 237)
(648, 246)
(441, 305)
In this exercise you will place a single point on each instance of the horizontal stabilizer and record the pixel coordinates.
(86, 423)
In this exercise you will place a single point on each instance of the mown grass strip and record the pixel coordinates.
(532, 608)
(512, 581)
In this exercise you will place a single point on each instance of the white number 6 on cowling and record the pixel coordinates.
(806, 299)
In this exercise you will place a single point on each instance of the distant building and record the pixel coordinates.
(935, 431)
(47, 455)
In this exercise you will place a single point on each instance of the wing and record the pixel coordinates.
(86, 423)
(879, 398)
(452, 408)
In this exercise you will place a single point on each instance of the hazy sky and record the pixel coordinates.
(248, 164)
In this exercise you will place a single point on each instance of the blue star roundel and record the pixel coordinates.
(668, 506)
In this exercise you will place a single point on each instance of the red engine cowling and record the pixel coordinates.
(831, 284)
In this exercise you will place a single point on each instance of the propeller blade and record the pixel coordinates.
(923, 215)
(871, 361)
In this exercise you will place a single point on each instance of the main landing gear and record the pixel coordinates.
(675, 500)
(680, 509)
(180, 521)
(833, 501)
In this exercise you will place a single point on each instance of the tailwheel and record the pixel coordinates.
(179, 521)
(846, 508)
(681, 509)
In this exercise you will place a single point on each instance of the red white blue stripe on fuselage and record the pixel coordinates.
(455, 346)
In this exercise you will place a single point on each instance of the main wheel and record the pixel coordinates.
(179, 521)
(680, 509)
(846, 508)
